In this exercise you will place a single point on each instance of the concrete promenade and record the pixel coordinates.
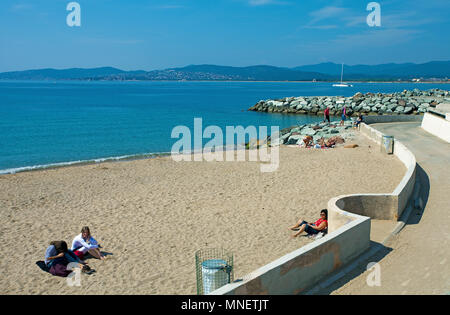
(417, 260)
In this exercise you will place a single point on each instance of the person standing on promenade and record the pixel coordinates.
(344, 115)
(326, 114)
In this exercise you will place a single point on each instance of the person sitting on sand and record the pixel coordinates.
(84, 243)
(359, 120)
(58, 256)
(311, 228)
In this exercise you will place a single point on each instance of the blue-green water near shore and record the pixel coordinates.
(59, 123)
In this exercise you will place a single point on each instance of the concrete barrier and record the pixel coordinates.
(377, 206)
(373, 119)
(437, 126)
(349, 235)
(295, 272)
(385, 206)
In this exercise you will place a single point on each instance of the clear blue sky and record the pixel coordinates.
(147, 35)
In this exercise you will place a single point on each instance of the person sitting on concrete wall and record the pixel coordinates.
(359, 121)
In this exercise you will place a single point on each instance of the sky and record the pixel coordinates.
(159, 34)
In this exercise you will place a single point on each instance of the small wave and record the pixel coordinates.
(82, 162)
(113, 159)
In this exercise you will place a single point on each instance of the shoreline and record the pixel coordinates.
(58, 165)
(133, 157)
(99, 161)
(285, 106)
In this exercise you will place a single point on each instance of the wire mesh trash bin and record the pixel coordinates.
(387, 144)
(214, 269)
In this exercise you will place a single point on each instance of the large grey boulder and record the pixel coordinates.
(399, 109)
(294, 139)
(275, 103)
(294, 103)
(408, 110)
(284, 138)
(391, 106)
(308, 131)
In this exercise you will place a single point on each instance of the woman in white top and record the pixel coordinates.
(85, 243)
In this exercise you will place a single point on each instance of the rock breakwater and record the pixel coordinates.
(317, 131)
(413, 102)
(296, 134)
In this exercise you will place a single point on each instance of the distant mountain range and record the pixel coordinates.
(321, 72)
(433, 69)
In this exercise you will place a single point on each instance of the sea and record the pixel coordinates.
(49, 124)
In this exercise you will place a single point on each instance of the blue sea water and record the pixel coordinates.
(47, 123)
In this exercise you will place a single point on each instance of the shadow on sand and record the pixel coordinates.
(41, 264)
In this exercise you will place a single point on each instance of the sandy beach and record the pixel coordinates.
(152, 215)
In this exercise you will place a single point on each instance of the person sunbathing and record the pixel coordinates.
(311, 228)
(58, 256)
(322, 142)
(84, 243)
(326, 143)
(330, 143)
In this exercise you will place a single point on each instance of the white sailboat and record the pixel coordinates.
(342, 84)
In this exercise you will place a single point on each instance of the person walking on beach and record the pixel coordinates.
(311, 228)
(344, 115)
(326, 114)
(84, 243)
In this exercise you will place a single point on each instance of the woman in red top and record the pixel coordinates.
(312, 228)
(326, 114)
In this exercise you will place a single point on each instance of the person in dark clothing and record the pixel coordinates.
(326, 115)
(58, 256)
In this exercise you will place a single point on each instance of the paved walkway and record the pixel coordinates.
(416, 261)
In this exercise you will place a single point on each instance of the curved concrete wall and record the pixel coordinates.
(379, 206)
(297, 271)
(437, 126)
(349, 236)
